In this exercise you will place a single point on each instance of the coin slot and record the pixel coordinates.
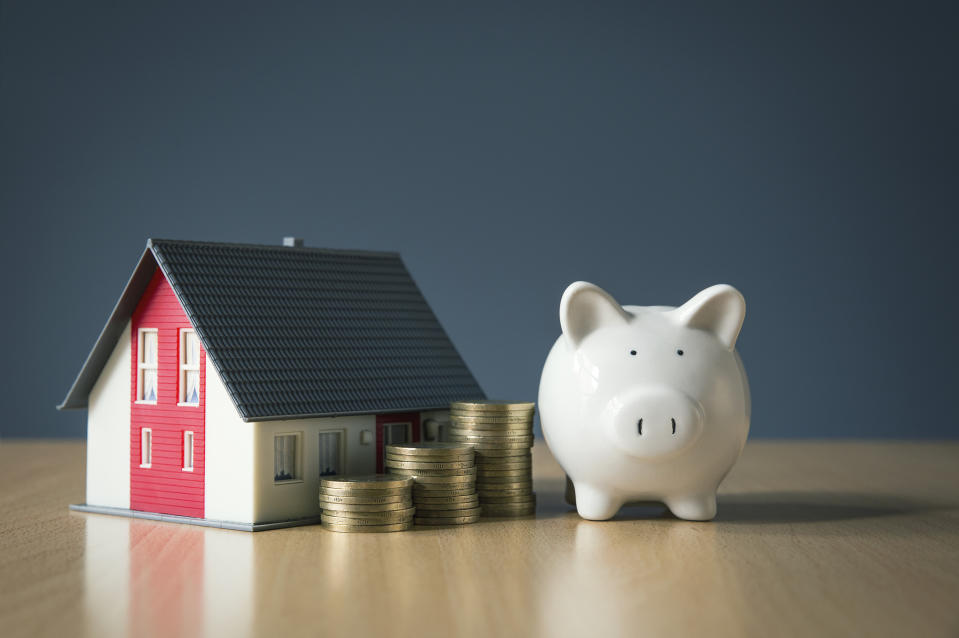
(674, 425)
(639, 426)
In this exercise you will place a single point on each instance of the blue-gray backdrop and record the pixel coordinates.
(805, 152)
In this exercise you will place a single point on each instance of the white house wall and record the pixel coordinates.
(240, 484)
(433, 424)
(228, 486)
(108, 430)
(298, 499)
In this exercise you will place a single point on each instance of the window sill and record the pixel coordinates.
(141, 402)
(146, 466)
(288, 482)
(187, 405)
(186, 469)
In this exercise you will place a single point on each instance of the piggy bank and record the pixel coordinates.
(646, 403)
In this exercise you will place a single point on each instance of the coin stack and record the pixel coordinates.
(374, 503)
(501, 433)
(444, 481)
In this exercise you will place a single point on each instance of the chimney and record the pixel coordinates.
(293, 242)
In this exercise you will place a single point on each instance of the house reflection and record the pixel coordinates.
(146, 578)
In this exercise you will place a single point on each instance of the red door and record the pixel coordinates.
(403, 427)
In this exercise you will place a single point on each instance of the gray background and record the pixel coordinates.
(805, 153)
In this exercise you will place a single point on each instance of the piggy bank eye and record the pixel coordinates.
(632, 352)
(679, 352)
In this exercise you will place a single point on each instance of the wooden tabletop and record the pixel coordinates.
(812, 539)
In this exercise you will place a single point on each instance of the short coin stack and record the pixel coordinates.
(444, 481)
(501, 433)
(374, 503)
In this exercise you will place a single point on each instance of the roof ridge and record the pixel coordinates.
(312, 249)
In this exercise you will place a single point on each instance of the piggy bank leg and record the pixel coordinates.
(595, 504)
(696, 507)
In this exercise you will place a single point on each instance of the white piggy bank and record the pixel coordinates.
(646, 403)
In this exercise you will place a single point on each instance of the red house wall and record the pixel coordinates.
(165, 487)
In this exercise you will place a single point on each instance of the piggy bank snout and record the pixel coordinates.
(653, 422)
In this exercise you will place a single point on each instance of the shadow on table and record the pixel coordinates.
(768, 507)
(812, 507)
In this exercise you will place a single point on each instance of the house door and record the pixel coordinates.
(395, 428)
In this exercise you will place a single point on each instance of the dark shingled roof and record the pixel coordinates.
(301, 332)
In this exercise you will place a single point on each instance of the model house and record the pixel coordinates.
(229, 378)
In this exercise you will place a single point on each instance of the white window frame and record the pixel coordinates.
(143, 365)
(184, 367)
(297, 459)
(188, 451)
(146, 447)
(342, 433)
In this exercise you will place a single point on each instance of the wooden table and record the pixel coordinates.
(812, 539)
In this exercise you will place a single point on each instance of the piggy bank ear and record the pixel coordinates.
(586, 308)
(719, 309)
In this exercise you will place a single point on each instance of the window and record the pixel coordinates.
(146, 447)
(189, 368)
(396, 433)
(188, 451)
(331, 453)
(147, 365)
(285, 457)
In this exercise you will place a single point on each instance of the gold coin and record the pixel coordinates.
(382, 515)
(492, 405)
(471, 471)
(368, 482)
(363, 522)
(445, 480)
(471, 511)
(440, 491)
(526, 497)
(502, 445)
(512, 484)
(441, 449)
(504, 509)
(452, 458)
(446, 520)
(490, 422)
(366, 520)
(391, 491)
(487, 456)
(427, 509)
(489, 434)
(515, 465)
(485, 494)
(363, 500)
(425, 465)
(391, 527)
(378, 507)
(468, 436)
(518, 472)
(439, 500)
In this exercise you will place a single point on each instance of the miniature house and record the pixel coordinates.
(229, 378)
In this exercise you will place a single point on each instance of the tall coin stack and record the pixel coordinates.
(444, 481)
(501, 433)
(374, 503)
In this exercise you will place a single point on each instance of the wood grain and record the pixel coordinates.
(812, 539)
